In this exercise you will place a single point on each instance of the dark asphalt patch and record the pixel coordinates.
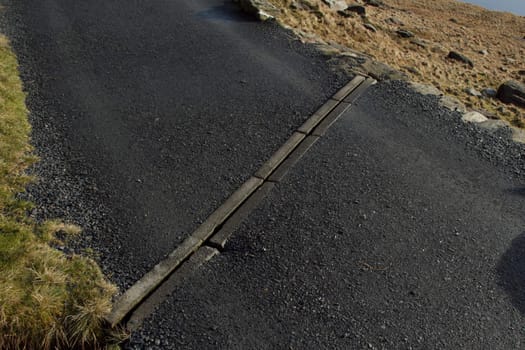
(395, 231)
(148, 115)
(213, 232)
(511, 272)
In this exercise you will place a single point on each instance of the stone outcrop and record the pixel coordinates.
(512, 92)
(375, 3)
(459, 57)
(370, 27)
(336, 5)
(489, 92)
(304, 5)
(474, 117)
(404, 33)
(356, 8)
(473, 92)
(262, 9)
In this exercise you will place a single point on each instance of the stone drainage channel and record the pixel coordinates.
(140, 300)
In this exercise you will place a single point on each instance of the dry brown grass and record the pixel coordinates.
(48, 300)
(442, 26)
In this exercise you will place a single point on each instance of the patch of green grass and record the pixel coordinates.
(48, 300)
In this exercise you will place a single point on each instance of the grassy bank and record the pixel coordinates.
(48, 300)
(493, 41)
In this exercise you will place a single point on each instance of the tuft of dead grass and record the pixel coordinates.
(494, 41)
(48, 300)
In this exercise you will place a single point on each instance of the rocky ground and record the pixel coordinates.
(464, 50)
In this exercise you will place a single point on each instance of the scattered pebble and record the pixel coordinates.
(394, 20)
(337, 5)
(359, 9)
(376, 3)
(404, 33)
(489, 92)
(412, 70)
(459, 57)
(473, 92)
(419, 43)
(370, 27)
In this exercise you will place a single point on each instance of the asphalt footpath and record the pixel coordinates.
(401, 228)
(147, 115)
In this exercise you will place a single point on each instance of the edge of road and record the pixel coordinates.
(213, 233)
(264, 10)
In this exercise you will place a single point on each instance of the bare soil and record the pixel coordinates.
(493, 41)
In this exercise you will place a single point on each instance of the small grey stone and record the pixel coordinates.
(489, 92)
(376, 3)
(412, 70)
(370, 27)
(473, 92)
(419, 43)
(359, 9)
(404, 33)
(459, 57)
(395, 20)
(483, 52)
(337, 5)
(304, 5)
(345, 13)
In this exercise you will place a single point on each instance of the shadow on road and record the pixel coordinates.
(511, 272)
(226, 12)
(517, 191)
